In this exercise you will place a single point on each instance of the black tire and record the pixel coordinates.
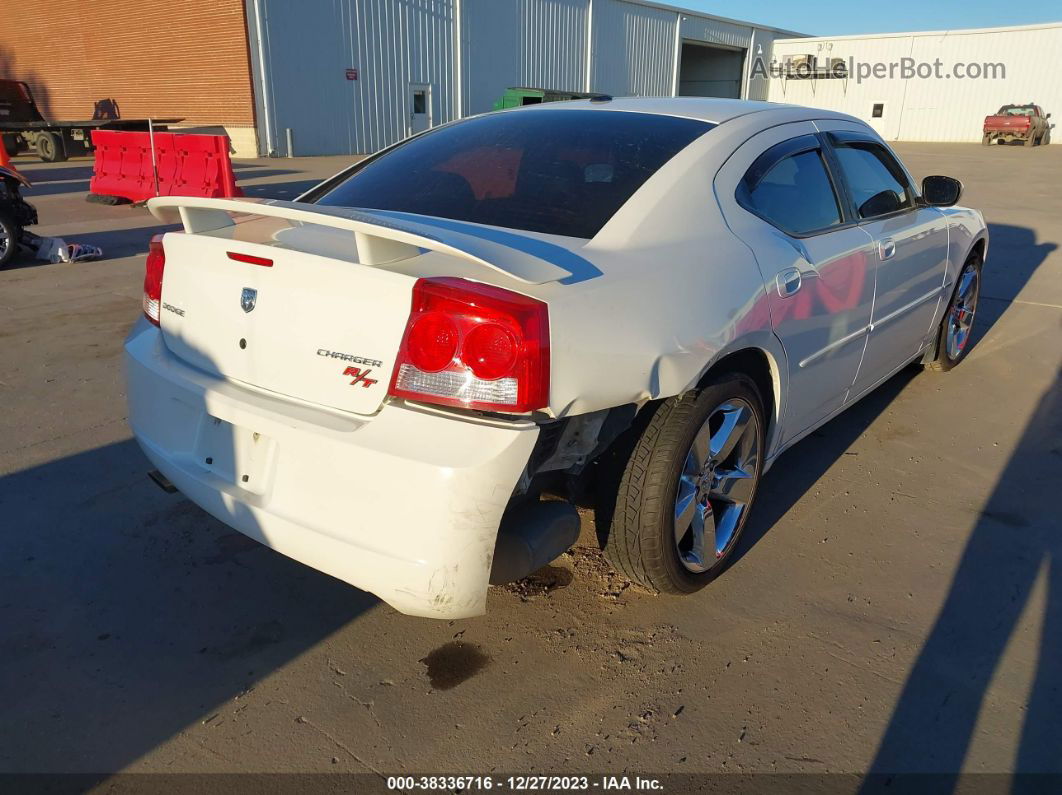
(10, 144)
(50, 148)
(986, 140)
(11, 232)
(945, 360)
(1031, 140)
(641, 535)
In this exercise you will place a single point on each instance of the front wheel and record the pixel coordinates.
(688, 486)
(9, 235)
(953, 340)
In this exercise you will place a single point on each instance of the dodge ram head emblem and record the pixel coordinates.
(248, 298)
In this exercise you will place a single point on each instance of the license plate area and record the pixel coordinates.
(237, 455)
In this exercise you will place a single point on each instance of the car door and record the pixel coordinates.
(910, 256)
(778, 195)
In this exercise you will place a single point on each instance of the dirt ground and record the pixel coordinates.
(896, 604)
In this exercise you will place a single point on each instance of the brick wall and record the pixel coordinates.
(160, 58)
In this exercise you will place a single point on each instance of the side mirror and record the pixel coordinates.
(940, 191)
(1048, 116)
(880, 204)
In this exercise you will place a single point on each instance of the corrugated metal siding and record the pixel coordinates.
(715, 31)
(537, 43)
(944, 109)
(760, 48)
(306, 49)
(392, 43)
(633, 49)
(553, 43)
(401, 42)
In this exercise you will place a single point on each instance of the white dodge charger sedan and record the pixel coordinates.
(407, 377)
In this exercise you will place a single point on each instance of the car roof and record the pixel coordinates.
(711, 109)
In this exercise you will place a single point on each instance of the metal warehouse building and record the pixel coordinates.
(933, 108)
(352, 76)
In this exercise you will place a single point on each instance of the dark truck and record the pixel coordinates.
(23, 127)
(1026, 123)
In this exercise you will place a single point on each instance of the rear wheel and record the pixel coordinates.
(688, 486)
(1031, 140)
(986, 140)
(953, 341)
(50, 148)
(9, 234)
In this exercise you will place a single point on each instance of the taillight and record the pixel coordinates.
(153, 268)
(474, 345)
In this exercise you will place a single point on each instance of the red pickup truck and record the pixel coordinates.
(1026, 123)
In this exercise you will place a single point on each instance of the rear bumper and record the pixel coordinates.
(1007, 131)
(405, 504)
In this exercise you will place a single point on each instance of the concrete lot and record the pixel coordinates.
(897, 602)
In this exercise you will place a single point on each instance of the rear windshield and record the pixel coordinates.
(1017, 110)
(564, 172)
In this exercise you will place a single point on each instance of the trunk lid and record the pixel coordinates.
(322, 318)
(309, 326)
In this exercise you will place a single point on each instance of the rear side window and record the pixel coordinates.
(563, 172)
(870, 171)
(795, 194)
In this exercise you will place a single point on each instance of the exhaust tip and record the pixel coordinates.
(162, 481)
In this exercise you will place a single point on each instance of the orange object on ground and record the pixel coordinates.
(5, 159)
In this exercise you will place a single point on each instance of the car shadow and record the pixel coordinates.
(800, 467)
(43, 176)
(130, 614)
(1014, 542)
(280, 190)
(115, 244)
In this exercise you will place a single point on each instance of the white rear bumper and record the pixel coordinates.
(405, 504)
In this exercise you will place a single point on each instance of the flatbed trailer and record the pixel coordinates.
(24, 128)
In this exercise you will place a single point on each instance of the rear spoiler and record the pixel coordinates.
(384, 236)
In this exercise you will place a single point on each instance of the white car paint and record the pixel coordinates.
(405, 500)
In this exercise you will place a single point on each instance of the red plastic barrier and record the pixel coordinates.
(188, 165)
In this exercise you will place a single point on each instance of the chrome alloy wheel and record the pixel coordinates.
(5, 241)
(961, 313)
(716, 485)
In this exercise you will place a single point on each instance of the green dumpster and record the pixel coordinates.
(522, 95)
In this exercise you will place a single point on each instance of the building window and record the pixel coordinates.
(878, 111)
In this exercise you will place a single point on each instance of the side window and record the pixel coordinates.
(876, 181)
(795, 194)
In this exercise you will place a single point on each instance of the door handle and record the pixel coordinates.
(887, 248)
(788, 282)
